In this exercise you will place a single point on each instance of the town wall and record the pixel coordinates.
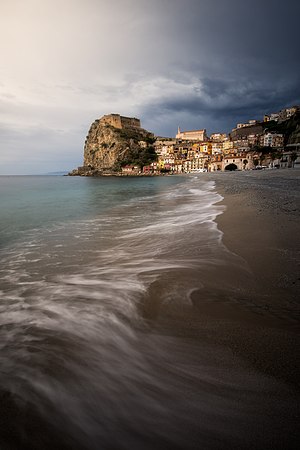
(245, 131)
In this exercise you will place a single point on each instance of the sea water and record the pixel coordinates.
(89, 266)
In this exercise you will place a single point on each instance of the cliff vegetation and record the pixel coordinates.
(289, 128)
(108, 149)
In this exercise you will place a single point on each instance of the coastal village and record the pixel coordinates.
(251, 145)
(118, 145)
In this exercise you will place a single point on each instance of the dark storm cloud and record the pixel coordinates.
(219, 104)
(245, 58)
(230, 99)
(197, 63)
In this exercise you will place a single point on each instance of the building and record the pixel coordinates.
(250, 123)
(253, 139)
(267, 118)
(218, 137)
(196, 164)
(216, 148)
(206, 147)
(243, 161)
(117, 121)
(164, 147)
(227, 146)
(272, 116)
(272, 140)
(192, 135)
(287, 113)
(131, 170)
(240, 144)
(215, 163)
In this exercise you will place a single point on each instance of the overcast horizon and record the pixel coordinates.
(194, 64)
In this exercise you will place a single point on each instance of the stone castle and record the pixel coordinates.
(114, 141)
(117, 121)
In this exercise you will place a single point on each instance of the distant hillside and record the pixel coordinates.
(290, 128)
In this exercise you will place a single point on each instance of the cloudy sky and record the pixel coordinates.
(194, 63)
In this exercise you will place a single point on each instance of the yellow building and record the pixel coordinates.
(227, 147)
(206, 147)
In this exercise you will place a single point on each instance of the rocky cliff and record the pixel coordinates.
(108, 148)
(290, 128)
(293, 130)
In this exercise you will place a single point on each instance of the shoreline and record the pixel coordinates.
(260, 325)
(215, 359)
(261, 224)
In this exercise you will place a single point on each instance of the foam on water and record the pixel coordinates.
(80, 366)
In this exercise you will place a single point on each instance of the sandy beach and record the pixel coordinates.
(259, 322)
(261, 224)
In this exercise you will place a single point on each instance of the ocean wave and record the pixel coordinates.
(80, 361)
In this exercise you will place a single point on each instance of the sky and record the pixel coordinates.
(189, 63)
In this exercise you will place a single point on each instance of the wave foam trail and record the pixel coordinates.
(81, 365)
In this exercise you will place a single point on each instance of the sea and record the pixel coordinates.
(92, 273)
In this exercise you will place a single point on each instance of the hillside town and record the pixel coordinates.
(118, 145)
(270, 142)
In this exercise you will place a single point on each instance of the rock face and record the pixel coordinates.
(112, 142)
(293, 129)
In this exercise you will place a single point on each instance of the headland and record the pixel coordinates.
(118, 145)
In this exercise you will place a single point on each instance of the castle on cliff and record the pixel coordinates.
(117, 121)
(118, 144)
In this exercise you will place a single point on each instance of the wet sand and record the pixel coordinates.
(259, 324)
(244, 320)
(261, 224)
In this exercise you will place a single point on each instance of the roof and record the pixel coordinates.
(192, 131)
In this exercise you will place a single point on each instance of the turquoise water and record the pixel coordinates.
(90, 270)
(34, 202)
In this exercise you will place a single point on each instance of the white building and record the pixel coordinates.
(272, 140)
(192, 135)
